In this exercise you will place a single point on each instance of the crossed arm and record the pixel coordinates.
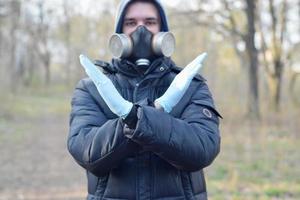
(99, 144)
(122, 107)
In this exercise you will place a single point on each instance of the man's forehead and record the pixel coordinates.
(141, 10)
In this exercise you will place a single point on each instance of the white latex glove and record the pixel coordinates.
(107, 90)
(180, 84)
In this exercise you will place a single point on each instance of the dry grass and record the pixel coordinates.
(258, 160)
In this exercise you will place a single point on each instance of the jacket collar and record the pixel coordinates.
(160, 65)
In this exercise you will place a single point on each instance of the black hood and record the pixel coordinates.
(121, 13)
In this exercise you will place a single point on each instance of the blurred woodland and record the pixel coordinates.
(253, 70)
(40, 42)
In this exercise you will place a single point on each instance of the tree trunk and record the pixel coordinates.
(279, 70)
(16, 9)
(67, 38)
(275, 82)
(299, 16)
(275, 79)
(253, 103)
(47, 63)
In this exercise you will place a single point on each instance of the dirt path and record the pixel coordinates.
(35, 163)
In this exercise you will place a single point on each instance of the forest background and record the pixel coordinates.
(252, 69)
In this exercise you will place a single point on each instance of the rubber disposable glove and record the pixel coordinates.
(180, 84)
(107, 90)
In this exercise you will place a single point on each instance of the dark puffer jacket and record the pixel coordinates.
(163, 157)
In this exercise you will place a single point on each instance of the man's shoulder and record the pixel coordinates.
(84, 82)
(107, 67)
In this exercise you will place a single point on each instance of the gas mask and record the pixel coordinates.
(142, 47)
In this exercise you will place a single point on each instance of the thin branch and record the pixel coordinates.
(283, 20)
(264, 46)
(233, 23)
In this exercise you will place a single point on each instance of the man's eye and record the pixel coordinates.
(151, 23)
(130, 23)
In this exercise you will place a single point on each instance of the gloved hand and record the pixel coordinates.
(107, 90)
(179, 85)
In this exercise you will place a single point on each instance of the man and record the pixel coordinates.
(144, 128)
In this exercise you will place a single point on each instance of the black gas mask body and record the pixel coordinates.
(142, 47)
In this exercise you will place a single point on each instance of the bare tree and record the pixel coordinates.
(15, 12)
(274, 63)
(2, 15)
(253, 58)
(223, 21)
(295, 67)
(67, 38)
(298, 18)
(44, 51)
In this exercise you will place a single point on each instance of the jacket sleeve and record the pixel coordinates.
(98, 144)
(190, 142)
